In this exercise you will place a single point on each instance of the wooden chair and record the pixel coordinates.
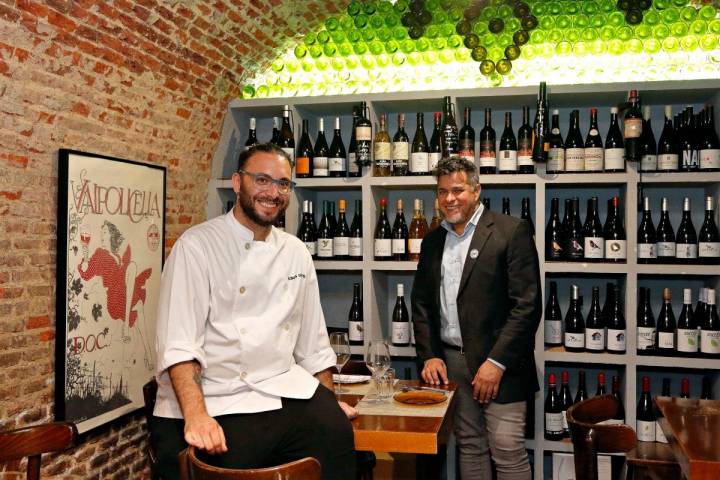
(149, 394)
(33, 441)
(192, 468)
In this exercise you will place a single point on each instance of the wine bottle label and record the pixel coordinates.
(450, 138)
(659, 435)
(508, 160)
(566, 426)
(556, 160)
(320, 166)
(594, 159)
(710, 159)
(615, 340)
(575, 159)
(336, 164)
(383, 247)
(688, 340)
(667, 161)
(355, 331)
(382, 154)
(611, 421)
(649, 163)
(312, 247)
(665, 249)
(419, 162)
(645, 338)
(595, 339)
(400, 333)
(400, 152)
(325, 247)
(302, 166)
(524, 158)
(412, 334)
(645, 431)
(341, 246)
(614, 159)
(553, 332)
(616, 249)
(291, 153)
(355, 247)
(633, 127)
(554, 423)
(363, 134)
(690, 159)
(709, 249)
(710, 341)
(594, 247)
(353, 167)
(666, 340)
(434, 158)
(686, 250)
(574, 340)
(414, 245)
(468, 154)
(647, 250)
(398, 246)
(487, 156)
(363, 152)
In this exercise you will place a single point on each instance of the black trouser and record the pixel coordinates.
(301, 428)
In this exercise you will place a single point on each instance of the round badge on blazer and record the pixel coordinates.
(473, 253)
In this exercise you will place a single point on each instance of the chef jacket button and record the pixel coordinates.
(247, 246)
(243, 375)
(286, 326)
(242, 289)
(243, 331)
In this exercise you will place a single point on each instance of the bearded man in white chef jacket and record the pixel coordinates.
(244, 361)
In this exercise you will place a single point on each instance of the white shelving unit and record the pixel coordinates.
(379, 278)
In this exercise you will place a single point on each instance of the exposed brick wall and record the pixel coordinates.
(147, 80)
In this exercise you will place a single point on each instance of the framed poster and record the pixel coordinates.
(110, 239)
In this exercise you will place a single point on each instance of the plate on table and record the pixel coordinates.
(337, 378)
(420, 397)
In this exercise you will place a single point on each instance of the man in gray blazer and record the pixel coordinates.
(476, 304)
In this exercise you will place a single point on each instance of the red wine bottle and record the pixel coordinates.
(507, 161)
(686, 241)
(614, 145)
(355, 318)
(400, 320)
(400, 149)
(337, 163)
(581, 394)
(645, 415)
(541, 145)
(574, 145)
(614, 321)
(666, 246)
(646, 330)
(594, 242)
(708, 144)
(488, 157)
(556, 153)
(594, 152)
(633, 128)
(553, 319)
(687, 334)
(554, 233)
(574, 323)
(709, 238)
(321, 154)
(355, 240)
(553, 412)
(600, 384)
(420, 151)
(449, 133)
(648, 145)
(614, 233)
(304, 157)
(467, 138)
(710, 329)
(646, 236)
(619, 417)
(252, 135)
(383, 234)
(524, 141)
(341, 235)
(574, 242)
(667, 149)
(565, 400)
(399, 233)
(666, 326)
(595, 325)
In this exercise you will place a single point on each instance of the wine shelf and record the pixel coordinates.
(595, 358)
(347, 183)
(672, 269)
(673, 362)
(402, 351)
(393, 266)
(681, 177)
(338, 265)
(579, 267)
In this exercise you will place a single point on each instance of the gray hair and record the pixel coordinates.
(454, 163)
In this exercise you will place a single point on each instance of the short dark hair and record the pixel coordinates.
(262, 148)
(454, 163)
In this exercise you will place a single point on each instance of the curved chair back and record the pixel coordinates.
(35, 440)
(192, 468)
(589, 438)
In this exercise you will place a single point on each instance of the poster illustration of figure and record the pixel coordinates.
(112, 214)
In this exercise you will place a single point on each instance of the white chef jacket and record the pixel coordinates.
(248, 311)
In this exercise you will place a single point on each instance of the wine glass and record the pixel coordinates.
(341, 346)
(85, 239)
(377, 359)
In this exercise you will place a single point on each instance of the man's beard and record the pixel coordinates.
(248, 207)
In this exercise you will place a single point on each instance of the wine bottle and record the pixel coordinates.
(252, 135)
(436, 220)
(524, 140)
(506, 206)
(666, 326)
(709, 238)
(420, 153)
(287, 138)
(541, 145)
(400, 149)
(338, 158)
(706, 392)
(355, 318)
(646, 330)
(581, 394)
(633, 128)
(614, 321)
(667, 149)
(435, 143)
(467, 138)
(709, 145)
(321, 154)
(382, 151)
(574, 243)
(687, 336)
(508, 154)
(554, 234)
(556, 153)
(280, 222)
(614, 145)
(614, 233)
(383, 234)
(619, 417)
(400, 320)
(644, 414)
(449, 132)
(275, 139)
(554, 429)
(488, 158)
(355, 240)
(399, 233)
(600, 385)
(684, 388)
(688, 148)
(574, 146)
(686, 241)
(304, 157)
(553, 319)
(341, 236)
(665, 392)
(595, 326)
(526, 215)
(710, 330)
(306, 231)
(325, 234)
(666, 246)
(594, 152)
(352, 161)
(594, 242)
(566, 401)
(646, 236)
(418, 230)
(574, 323)
(648, 146)
(363, 138)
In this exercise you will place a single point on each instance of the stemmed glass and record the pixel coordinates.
(377, 359)
(341, 346)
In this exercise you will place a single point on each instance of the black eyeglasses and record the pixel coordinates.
(263, 181)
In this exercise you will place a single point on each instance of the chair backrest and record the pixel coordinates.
(149, 394)
(589, 438)
(192, 468)
(33, 441)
